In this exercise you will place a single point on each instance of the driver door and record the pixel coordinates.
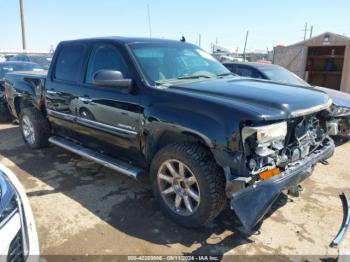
(108, 119)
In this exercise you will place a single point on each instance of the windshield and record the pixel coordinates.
(283, 76)
(7, 68)
(164, 63)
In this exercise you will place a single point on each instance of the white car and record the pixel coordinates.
(18, 235)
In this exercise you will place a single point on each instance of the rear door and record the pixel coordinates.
(107, 117)
(62, 87)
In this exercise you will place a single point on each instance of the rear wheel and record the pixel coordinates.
(34, 127)
(188, 184)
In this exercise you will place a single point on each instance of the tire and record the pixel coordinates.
(31, 118)
(4, 113)
(209, 185)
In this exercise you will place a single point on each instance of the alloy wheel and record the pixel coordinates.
(178, 187)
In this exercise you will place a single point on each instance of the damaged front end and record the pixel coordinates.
(278, 156)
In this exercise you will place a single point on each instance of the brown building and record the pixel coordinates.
(323, 60)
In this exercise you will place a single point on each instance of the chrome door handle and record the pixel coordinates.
(51, 92)
(85, 99)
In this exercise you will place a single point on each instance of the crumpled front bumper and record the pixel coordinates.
(253, 202)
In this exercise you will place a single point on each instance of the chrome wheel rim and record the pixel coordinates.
(178, 187)
(28, 130)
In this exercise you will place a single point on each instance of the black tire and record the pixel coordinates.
(4, 112)
(210, 180)
(40, 127)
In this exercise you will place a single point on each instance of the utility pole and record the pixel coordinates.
(305, 31)
(149, 22)
(245, 44)
(311, 29)
(22, 25)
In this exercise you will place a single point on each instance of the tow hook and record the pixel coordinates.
(295, 190)
(324, 162)
(345, 224)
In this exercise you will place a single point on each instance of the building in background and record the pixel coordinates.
(323, 60)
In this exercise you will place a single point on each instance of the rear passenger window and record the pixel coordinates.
(68, 63)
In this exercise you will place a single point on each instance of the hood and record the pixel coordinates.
(339, 98)
(267, 100)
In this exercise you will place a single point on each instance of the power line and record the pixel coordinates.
(22, 25)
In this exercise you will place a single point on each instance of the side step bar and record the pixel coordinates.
(102, 159)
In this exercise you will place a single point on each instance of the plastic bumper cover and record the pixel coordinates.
(252, 203)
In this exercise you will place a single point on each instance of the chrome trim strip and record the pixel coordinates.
(104, 127)
(90, 123)
(61, 115)
(311, 110)
(84, 152)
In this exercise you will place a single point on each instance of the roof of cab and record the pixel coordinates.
(123, 40)
(253, 64)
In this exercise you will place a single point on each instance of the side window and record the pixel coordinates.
(68, 63)
(244, 71)
(105, 57)
(257, 74)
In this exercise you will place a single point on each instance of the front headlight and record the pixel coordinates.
(337, 111)
(8, 200)
(267, 138)
(266, 134)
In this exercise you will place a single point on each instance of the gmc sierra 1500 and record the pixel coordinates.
(168, 111)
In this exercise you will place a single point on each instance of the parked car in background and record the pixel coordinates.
(42, 60)
(18, 235)
(169, 113)
(338, 124)
(6, 67)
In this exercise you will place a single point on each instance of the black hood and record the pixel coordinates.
(267, 99)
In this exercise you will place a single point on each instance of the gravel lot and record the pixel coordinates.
(82, 208)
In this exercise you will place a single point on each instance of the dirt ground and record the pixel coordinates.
(82, 208)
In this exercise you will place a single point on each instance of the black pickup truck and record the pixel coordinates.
(168, 112)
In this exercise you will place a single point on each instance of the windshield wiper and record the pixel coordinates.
(194, 77)
(226, 74)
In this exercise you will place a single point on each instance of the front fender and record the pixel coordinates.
(204, 125)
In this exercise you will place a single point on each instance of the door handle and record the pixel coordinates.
(85, 99)
(51, 92)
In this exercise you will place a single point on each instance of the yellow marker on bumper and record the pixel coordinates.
(269, 173)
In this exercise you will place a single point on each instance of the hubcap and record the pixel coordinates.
(28, 130)
(179, 187)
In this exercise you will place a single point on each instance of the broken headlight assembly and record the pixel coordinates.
(262, 144)
(268, 137)
(274, 147)
(338, 111)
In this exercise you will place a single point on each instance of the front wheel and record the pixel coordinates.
(188, 184)
(34, 127)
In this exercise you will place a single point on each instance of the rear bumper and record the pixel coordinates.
(252, 203)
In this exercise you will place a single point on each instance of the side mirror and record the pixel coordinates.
(113, 78)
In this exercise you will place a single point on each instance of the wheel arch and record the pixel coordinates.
(154, 143)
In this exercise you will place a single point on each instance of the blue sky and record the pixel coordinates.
(270, 22)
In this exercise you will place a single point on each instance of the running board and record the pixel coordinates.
(99, 158)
